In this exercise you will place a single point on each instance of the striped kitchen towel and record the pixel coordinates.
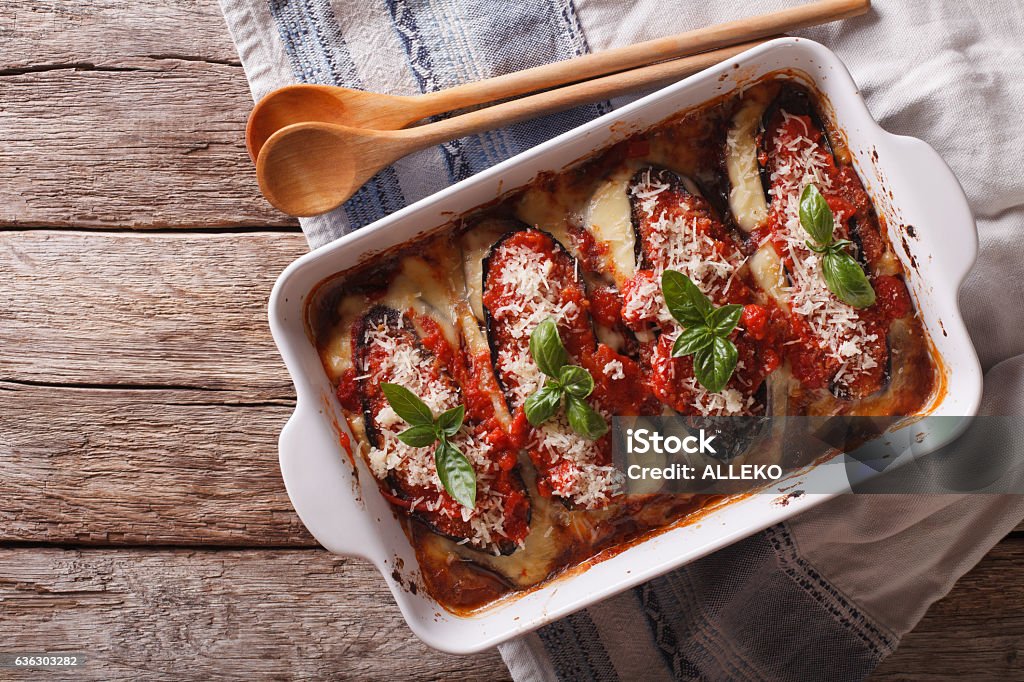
(829, 594)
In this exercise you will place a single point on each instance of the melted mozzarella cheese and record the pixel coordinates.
(746, 195)
(609, 220)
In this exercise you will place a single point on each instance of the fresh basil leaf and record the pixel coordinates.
(456, 473)
(543, 404)
(714, 365)
(683, 299)
(846, 279)
(406, 405)
(583, 419)
(692, 340)
(419, 436)
(723, 320)
(547, 349)
(816, 216)
(450, 421)
(576, 381)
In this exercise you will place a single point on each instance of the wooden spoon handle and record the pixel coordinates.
(501, 115)
(640, 54)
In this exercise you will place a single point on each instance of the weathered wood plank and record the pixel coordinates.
(147, 463)
(290, 614)
(113, 33)
(141, 309)
(199, 615)
(124, 114)
(976, 632)
(132, 467)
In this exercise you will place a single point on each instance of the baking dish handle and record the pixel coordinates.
(322, 485)
(945, 197)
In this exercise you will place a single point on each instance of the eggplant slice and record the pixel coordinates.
(517, 264)
(388, 348)
(853, 356)
(528, 276)
(677, 229)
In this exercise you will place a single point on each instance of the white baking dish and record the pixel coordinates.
(909, 184)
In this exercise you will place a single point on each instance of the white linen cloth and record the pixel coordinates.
(828, 594)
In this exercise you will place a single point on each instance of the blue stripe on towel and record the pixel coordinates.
(574, 646)
(444, 46)
(422, 66)
(665, 635)
(484, 39)
(316, 49)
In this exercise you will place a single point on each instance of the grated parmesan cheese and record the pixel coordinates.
(614, 370)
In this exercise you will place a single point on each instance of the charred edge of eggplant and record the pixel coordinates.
(717, 196)
(855, 237)
(798, 102)
(644, 176)
(715, 190)
(489, 322)
(394, 320)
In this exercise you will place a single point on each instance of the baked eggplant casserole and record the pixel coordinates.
(725, 262)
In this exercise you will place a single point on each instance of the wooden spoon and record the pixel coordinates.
(359, 109)
(310, 168)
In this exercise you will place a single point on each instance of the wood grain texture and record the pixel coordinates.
(189, 310)
(118, 113)
(134, 467)
(200, 615)
(141, 395)
(975, 633)
(113, 33)
(304, 613)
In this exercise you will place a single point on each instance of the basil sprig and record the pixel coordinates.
(706, 330)
(571, 382)
(455, 471)
(843, 275)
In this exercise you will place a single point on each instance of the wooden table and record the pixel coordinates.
(142, 517)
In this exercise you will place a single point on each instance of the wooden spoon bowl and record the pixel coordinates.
(329, 104)
(310, 168)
